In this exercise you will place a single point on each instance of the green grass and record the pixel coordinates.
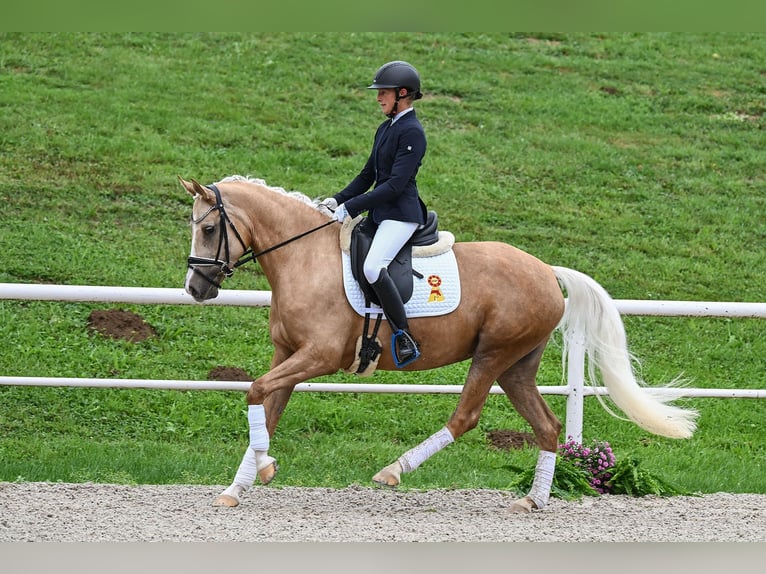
(635, 158)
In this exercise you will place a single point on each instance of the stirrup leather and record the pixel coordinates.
(403, 339)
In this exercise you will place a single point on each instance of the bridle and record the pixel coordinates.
(223, 242)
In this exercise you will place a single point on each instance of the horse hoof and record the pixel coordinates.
(386, 478)
(226, 500)
(522, 506)
(267, 473)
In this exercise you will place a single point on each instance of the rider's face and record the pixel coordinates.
(386, 99)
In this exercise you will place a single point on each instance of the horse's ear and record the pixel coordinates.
(194, 188)
(188, 186)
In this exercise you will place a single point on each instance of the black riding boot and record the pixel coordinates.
(403, 346)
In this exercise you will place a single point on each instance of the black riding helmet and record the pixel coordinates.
(398, 74)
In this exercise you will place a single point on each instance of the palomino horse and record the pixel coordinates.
(511, 302)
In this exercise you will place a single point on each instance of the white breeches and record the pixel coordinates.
(388, 241)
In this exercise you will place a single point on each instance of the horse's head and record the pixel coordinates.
(214, 256)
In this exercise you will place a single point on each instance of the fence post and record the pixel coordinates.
(575, 387)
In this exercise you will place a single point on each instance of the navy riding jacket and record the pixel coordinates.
(397, 153)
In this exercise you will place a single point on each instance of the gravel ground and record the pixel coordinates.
(57, 512)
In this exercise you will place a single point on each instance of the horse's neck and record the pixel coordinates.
(275, 218)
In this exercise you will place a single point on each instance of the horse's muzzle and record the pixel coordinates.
(204, 285)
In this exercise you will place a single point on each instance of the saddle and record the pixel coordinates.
(400, 269)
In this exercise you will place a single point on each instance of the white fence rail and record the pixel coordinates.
(575, 389)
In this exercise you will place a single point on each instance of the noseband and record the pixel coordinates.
(223, 243)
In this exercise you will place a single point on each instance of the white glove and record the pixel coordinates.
(328, 206)
(340, 213)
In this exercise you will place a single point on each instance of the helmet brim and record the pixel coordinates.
(376, 86)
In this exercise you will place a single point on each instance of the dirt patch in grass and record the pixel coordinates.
(221, 373)
(118, 324)
(509, 439)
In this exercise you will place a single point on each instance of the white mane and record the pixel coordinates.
(302, 197)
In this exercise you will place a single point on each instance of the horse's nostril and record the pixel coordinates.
(195, 292)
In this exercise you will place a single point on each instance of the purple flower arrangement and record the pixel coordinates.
(596, 459)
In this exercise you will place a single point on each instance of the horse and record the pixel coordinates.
(510, 305)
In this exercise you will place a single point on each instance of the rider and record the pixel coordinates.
(393, 203)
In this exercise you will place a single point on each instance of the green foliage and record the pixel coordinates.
(630, 477)
(635, 158)
(570, 482)
(581, 472)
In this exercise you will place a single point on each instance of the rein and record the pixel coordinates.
(223, 241)
(254, 256)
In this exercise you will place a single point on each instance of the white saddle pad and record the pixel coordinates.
(437, 293)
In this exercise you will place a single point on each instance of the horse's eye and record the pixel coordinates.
(208, 229)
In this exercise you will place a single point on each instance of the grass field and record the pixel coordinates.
(635, 158)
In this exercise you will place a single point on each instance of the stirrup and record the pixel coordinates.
(407, 360)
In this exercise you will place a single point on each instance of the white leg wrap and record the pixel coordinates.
(413, 458)
(541, 485)
(247, 470)
(252, 462)
(259, 436)
(245, 476)
(256, 456)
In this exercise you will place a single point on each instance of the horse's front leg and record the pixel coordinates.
(266, 399)
(263, 467)
(256, 462)
(253, 465)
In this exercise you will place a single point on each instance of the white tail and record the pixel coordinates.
(592, 315)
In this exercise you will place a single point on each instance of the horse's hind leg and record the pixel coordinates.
(520, 386)
(466, 417)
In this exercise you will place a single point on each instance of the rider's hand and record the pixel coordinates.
(340, 213)
(328, 206)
